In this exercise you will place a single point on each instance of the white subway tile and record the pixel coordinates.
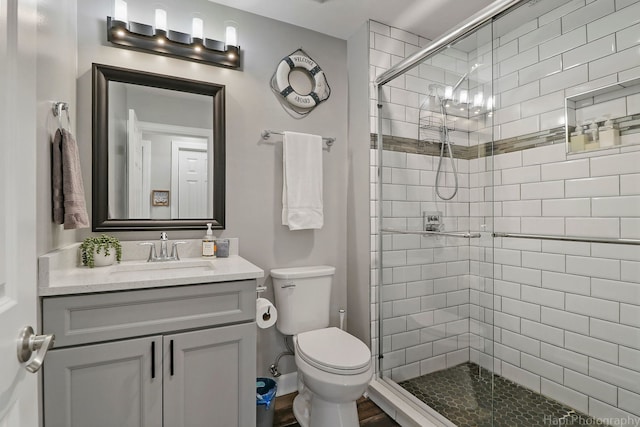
(542, 332)
(566, 207)
(393, 325)
(628, 37)
(377, 27)
(543, 297)
(613, 21)
(526, 276)
(405, 209)
(404, 339)
(542, 225)
(419, 161)
(630, 315)
(621, 377)
(614, 332)
(560, 11)
(517, 62)
(405, 241)
(565, 170)
(520, 308)
(562, 394)
(432, 365)
(589, 52)
(623, 60)
(630, 184)
(565, 320)
(591, 347)
(404, 307)
(616, 290)
(519, 94)
(542, 104)
(543, 33)
(541, 367)
(594, 187)
(432, 302)
(507, 114)
(593, 307)
(507, 160)
(566, 42)
(506, 321)
(521, 377)
(446, 345)
(522, 208)
(629, 402)
(601, 410)
(521, 175)
(520, 127)
(546, 154)
(507, 354)
(566, 358)
(593, 227)
(566, 282)
(506, 256)
(567, 248)
(564, 79)
(595, 267)
(590, 386)
(629, 358)
(552, 119)
(404, 36)
(394, 159)
(543, 261)
(537, 71)
(630, 228)
(587, 14)
(617, 206)
(419, 352)
(406, 372)
(542, 190)
(630, 271)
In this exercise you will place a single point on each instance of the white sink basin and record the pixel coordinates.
(183, 266)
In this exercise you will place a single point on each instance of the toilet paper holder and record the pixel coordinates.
(260, 289)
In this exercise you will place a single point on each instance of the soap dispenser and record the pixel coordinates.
(609, 134)
(593, 138)
(209, 243)
(577, 140)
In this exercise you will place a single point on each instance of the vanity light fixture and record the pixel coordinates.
(161, 40)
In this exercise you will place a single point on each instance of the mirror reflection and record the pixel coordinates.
(160, 152)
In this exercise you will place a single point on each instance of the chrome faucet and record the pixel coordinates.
(164, 256)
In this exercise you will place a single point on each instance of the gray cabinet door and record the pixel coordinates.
(209, 377)
(106, 385)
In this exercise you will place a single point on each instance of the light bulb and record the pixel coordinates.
(120, 11)
(161, 19)
(231, 33)
(478, 99)
(197, 28)
(448, 92)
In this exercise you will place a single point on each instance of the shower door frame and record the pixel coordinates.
(476, 21)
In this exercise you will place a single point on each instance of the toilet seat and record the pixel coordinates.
(333, 350)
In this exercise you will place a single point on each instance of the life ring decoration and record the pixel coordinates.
(300, 103)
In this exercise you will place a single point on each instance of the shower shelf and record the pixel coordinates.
(468, 235)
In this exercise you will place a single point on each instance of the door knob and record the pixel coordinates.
(29, 342)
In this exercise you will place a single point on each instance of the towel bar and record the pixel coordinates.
(266, 134)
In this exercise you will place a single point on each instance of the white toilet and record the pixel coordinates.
(334, 367)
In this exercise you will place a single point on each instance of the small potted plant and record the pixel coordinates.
(100, 251)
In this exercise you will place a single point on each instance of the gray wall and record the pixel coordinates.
(254, 168)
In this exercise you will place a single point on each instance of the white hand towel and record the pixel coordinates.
(302, 181)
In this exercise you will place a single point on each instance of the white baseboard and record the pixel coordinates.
(287, 383)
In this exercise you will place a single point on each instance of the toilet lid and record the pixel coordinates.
(332, 350)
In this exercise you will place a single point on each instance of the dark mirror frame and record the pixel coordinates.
(102, 75)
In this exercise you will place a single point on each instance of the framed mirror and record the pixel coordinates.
(158, 151)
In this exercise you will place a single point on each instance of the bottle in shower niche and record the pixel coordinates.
(209, 243)
(593, 137)
(609, 134)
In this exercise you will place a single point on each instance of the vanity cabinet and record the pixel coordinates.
(176, 356)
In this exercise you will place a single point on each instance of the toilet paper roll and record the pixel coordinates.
(266, 313)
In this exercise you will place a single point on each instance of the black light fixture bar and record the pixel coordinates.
(134, 35)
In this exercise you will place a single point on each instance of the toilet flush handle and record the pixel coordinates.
(341, 313)
(288, 284)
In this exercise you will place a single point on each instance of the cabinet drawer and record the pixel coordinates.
(81, 319)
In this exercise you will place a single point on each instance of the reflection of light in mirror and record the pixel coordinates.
(120, 33)
(490, 103)
(197, 28)
(197, 48)
(160, 41)
(478, 99)
(448, 92)
(120, 12)
(161, 19)
(464, 96)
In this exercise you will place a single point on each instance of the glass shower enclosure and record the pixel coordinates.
(506, 282)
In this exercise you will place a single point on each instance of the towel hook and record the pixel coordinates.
(58, 108)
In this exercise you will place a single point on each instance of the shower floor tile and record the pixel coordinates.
(463, 395)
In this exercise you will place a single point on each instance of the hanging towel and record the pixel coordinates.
(302, 181)
(69, 207)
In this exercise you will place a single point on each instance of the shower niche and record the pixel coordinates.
(604, 118)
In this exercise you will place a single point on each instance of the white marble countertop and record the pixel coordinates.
(59, 273)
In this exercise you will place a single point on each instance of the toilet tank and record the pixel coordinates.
(303, 296)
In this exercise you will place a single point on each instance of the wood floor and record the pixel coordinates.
(369, 414)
